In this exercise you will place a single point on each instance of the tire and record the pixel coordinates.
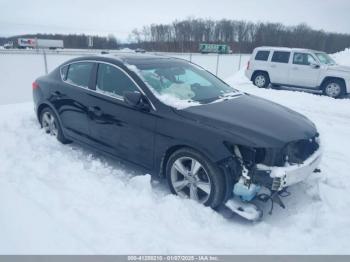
(49, 122)
(191, 175)
(333, 88)
(261, 79)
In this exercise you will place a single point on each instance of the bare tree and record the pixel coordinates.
(241, 36)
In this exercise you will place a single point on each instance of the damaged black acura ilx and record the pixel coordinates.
(213, 144)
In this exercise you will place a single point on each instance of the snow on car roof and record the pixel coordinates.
(132, 58)
(286, 49)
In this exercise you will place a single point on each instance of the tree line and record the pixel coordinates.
(186, 35)
(241, 36)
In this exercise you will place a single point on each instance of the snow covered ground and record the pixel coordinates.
(65, 199)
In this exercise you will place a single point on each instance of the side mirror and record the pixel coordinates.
(314, 65)
(136, 99)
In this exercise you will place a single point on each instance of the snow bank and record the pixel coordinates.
(64, 199)
(343, 57)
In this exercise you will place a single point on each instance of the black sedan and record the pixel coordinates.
(212, 143)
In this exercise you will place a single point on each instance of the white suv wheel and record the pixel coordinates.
(333, 89)
(260, 81)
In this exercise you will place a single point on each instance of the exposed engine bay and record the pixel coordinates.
(265, 174)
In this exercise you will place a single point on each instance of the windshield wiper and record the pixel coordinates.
(221, 97)
(231, 94)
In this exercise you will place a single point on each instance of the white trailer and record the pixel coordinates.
(49, 43)
(39, 43)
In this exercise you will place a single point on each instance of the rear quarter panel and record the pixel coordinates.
(257, 65)
(42, 94)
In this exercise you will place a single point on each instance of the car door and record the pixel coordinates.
(69, 97)
(279, 67)
(115, 126)
(305, 71)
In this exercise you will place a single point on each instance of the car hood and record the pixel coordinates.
(253, 121)
(341, 68)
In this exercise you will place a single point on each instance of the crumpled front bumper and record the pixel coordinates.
(292, 174)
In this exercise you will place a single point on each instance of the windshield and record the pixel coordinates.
(183, 81)
(325, 59)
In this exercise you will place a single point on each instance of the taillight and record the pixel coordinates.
(35, 85)
(248, 64)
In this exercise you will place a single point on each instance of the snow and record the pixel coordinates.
(126, 50)
(19, 89)
(175, 102)
(67, 199)
(343, 57)
(19, 70)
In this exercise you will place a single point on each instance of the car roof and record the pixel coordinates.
(136, 58)
(275, 48)
(127, 58)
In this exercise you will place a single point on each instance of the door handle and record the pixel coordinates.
(96, 110)
(273, 66)
(295, 68)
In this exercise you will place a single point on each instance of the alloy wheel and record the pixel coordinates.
(260, 81)
(190, 179)
(48, 122)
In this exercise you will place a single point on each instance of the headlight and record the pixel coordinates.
(249, 155)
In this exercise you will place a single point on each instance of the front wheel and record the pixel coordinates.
(191, 175)
(261, 80)
(334, 88)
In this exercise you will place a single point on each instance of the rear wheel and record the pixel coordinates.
(191, 175)
(49, 122)
(334, 88)
(261, 80)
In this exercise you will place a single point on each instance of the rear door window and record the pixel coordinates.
(262, 55)
(113, 81)
(280, 57)
(79, 74)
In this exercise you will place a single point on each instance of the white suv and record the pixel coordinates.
(301, 68)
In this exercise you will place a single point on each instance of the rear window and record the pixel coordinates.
(262, 55)
(79, 73)
(280, 57)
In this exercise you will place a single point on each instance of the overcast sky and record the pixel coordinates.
(120, 17)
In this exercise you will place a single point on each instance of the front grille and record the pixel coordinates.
(297, 152)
